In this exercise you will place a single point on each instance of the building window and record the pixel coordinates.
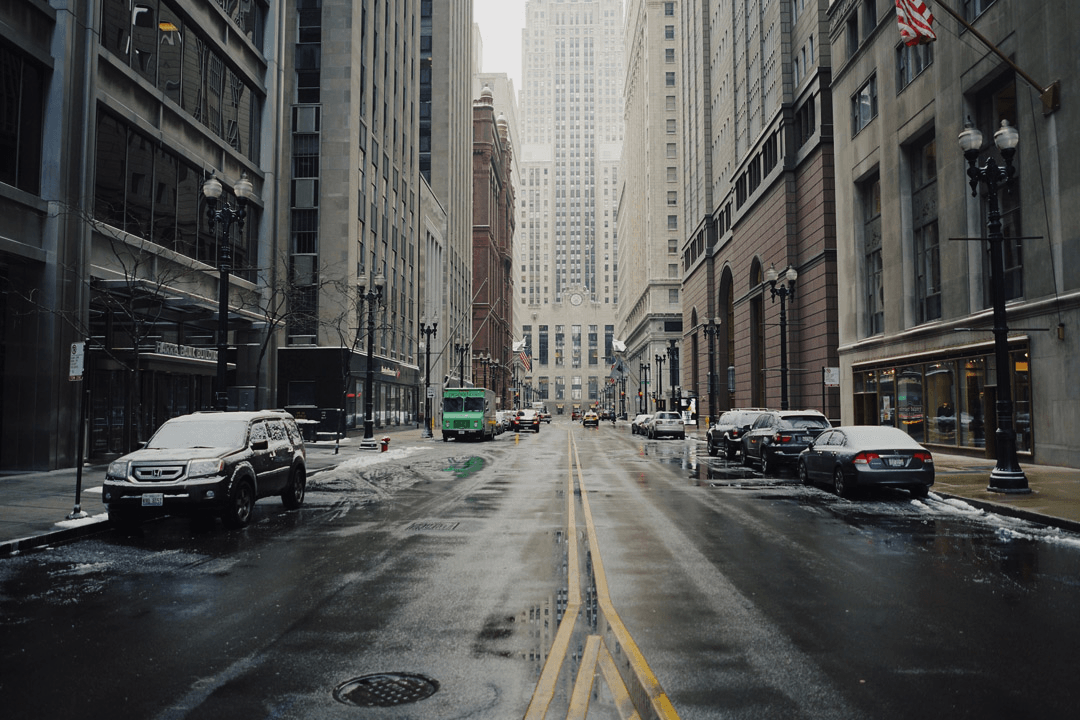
(669, 55)
(669, 32)
(673, 246)
(874, 297)
(975, 8)
(924, 220)
(673, 270)
(672, 174)
(911, 60)
(21, 118)
(669, 79)
(805, 123)
(671, 127)
(673, 296)
(669, 9)
(671, 150)
(672, 222)
(864, 105)
(669, 103)
(672, 198)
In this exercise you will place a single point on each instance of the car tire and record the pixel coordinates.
(241, 505)
(730, 452)
(804, 476)
(713, 451)
(768, 465)
(745, 458)
(293, 495)
(840, 484)
(919, 491)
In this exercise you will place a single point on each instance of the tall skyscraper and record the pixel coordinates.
(566, 242)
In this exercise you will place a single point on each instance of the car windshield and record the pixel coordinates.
(804, 422)
(211, 432)
(474, 404)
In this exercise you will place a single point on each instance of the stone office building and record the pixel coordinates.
(117, 114)
(916, 351)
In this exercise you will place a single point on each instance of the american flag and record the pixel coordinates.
(524, 355)
(915, 22)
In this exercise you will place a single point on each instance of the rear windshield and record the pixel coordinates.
(809, 422)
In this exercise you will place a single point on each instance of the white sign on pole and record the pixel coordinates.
(831, 376)
(75, 366)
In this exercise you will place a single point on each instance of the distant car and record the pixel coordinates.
(850, 457)
(637, 425)
(525, 420)
(502, 421)
(666, 423)
(590, 418)
(778, 436)
(726, 434)
(217, 463)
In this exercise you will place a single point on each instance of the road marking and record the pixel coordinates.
(597, 655)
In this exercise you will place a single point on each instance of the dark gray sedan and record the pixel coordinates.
(863, 455)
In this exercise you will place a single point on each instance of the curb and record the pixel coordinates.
(1013, 512)
(92, 527)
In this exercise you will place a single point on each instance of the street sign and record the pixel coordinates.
(78, 357)
(831, 376)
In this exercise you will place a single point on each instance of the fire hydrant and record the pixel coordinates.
(385, 444)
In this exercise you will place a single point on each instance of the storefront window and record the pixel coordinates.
(886, 398)
(941, 403)
(1022, 400)
(909, 402)
(973, 404)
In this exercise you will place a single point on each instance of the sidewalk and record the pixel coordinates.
(34, 506)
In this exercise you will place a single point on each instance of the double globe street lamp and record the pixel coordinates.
(785, 291)
(428, 332)
(372, 296)
(221, 220)
(1007, 476)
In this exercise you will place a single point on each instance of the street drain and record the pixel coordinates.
(385, 689)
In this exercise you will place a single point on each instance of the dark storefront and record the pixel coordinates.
(946, 399)
(333, 378)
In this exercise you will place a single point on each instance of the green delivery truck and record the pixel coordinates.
(468, 413)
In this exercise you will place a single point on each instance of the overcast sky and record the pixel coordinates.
(501, 22)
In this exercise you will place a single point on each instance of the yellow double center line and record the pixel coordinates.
(643, 685)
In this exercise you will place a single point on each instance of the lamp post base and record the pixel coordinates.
(1012, 482)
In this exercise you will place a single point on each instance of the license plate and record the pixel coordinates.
(895, 462)
(153, 500)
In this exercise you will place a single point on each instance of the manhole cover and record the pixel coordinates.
(385, 689)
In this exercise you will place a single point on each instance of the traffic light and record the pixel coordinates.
(639, 394)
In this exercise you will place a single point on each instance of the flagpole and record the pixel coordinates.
(1050, 95)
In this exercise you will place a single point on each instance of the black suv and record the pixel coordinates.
(210, 462)
(778, 436)
(726, 434)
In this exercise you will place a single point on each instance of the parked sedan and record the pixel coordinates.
(778, 436)
(637, 425)
(863, 455)
(666, 423)
(726, 434)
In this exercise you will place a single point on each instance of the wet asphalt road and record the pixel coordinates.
(749, 597)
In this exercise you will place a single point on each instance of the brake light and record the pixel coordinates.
(924, 456)
(781, 438)
(735, 432)
(865, 458)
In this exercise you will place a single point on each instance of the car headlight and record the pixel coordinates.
(202, 468)
(118, 469)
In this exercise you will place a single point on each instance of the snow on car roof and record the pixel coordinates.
(879, 436)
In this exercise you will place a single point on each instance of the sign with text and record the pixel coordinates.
(77, 361)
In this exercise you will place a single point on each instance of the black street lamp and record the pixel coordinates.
(660, 376)
(711, 329)
(221, 221)
(1007, 476)
(428, 333)
(785, 291)
(673, 370)
(372, 296)
(461, 349)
